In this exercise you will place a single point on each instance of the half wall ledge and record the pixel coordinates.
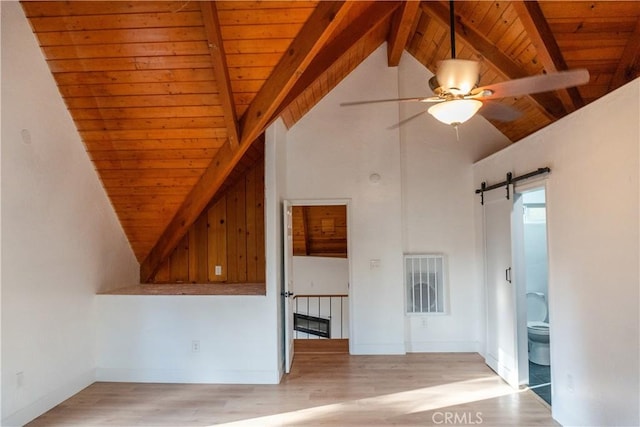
(191, 289)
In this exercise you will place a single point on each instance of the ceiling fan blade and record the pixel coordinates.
(378, 101)
(408, 119)
(534, 84)
(499, 112)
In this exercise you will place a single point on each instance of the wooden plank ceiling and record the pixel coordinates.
(168, 95)
(320, 231)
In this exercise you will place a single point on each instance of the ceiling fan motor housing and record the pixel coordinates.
(458, 76)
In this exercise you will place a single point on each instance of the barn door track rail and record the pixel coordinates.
(510, 180)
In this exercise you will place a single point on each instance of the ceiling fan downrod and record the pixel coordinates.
(452, 29)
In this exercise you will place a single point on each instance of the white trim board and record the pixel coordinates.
(188, 376)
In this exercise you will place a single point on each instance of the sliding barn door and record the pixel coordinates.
(501, 340)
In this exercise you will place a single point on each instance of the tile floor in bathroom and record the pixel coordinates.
(539, 374)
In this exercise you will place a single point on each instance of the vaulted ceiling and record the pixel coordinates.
(168, 95)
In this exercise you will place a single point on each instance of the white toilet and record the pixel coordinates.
(538, 329)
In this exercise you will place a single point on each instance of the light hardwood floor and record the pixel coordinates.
(322, 390)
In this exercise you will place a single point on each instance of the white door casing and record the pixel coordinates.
(287, 288)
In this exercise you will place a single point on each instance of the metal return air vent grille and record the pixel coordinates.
(424, 283)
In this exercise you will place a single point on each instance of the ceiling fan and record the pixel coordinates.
(457, 96)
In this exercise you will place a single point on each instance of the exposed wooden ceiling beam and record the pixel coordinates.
(538, 29)
(501, 63)
(363, 25)
(401, 27)
(304, 47)
(629, 65)
(220, 70)
(311, 38)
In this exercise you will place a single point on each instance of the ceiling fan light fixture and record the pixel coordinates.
(456, 111)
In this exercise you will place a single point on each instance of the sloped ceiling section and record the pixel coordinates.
(168, 95)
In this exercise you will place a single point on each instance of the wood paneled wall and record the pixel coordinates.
(229, 235)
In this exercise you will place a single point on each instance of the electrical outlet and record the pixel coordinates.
(218, 270)
(195, 346)
(423, 322)
(570, 383)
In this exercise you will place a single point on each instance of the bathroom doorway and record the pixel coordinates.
(531, 258)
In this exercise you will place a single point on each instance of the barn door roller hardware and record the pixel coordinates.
(508, 181)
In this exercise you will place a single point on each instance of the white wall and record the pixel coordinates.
(61, 240)
(438, 200)
(331, 153)
(320, 275)
(592, 218)
(535, 246)
(148, 338)
(535, 256)
(275, 187)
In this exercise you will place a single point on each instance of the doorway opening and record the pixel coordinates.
(532, 263)
(320, 269)
(317, 272)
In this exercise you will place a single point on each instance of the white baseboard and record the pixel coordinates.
(48, 401)
(443, 347)
(184, 376)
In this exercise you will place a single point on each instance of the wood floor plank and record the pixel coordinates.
(322, 390)
(321, 346)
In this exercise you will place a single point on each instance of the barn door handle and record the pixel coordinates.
(507, 274)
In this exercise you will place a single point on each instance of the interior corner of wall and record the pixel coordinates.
(49, 400)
